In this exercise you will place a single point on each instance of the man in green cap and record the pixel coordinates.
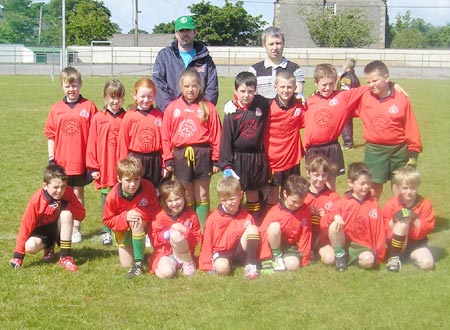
(184, 52)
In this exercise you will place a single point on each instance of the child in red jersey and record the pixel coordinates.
(390, 128)
(230, 236)
(67, 130)
(130, 206)
(141, 131)
(286, 229)
(355, 223)
(283, 143)
(101, 155)
(49, 218)
(242, 142)
(320, 199)
(175, 233)
(191, 137)
(409, 219)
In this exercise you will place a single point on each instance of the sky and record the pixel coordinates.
(153, 12)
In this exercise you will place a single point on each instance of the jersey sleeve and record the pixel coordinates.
(74, 205)
(425, 220)
(412, 133)
(226, 143)
(205, 257)
(216, 132)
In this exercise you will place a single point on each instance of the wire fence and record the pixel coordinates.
(108, 60)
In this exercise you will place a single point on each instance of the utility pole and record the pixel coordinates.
(40, 25)
(63, 37)
(136, 27)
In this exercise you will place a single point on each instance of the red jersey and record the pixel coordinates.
(283, 143)
(101, 154)
(140, 132)
(182, 126)
(325, 118)
(42, 210)
(68, 125)
(295, 230)
(363, 222)
(422, 208)
(389, 121)
(222, 232)
(163, 222)
(117, 205)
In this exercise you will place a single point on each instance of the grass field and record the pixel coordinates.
(45, 296)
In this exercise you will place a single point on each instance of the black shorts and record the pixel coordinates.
(236, 256)
(49, 234)
(79, 180)
(151, 164)
(332, 151)
(280, 178)
(252, 168)
(193, 162)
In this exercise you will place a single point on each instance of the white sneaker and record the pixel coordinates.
(278, 264)
(147, 241)
(76, 236)
(106, 238)
(251, 271)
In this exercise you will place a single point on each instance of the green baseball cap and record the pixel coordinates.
(184, 23)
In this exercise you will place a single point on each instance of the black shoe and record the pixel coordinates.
(341, 263)
(135, 270)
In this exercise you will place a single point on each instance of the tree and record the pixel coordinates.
(139, 31)
(20, 21)
(229, 25)
(349, 28)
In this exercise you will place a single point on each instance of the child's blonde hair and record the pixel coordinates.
(325, 70)
(130, 167)
(70, 75)
(143, 82)
(317, 163)
(195, 76)
(296, 185)
(227, 187)
(168, 187)
(285, 75)
(113, 88)
(407, 175)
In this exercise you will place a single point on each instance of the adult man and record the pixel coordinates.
(266, 71)
(182, 53)
(347, 81)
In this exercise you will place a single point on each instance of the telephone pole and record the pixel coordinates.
(136, 27)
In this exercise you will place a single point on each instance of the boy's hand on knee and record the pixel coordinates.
(16, 263)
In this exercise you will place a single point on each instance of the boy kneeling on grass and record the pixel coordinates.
(49, 219)
(130, 206)
(230, 237)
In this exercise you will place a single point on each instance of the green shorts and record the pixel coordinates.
(354, 250)
(122, 238)
(383, 160)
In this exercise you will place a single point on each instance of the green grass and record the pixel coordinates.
(45, 296)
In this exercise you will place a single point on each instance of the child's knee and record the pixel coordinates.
(292, 263)
(274, 228)
(222, 266)
(165, 270)
(66, 217)
(33, 245)
(425, 263)
(366, 260)
(328, 258)
(252, 230)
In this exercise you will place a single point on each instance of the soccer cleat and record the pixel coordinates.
(49, 254)
(278, 264)
(188, 268)
(106, 238)
(135, 270)
(68, 263)
(267, 267)
(76, 236)
(16, 263)
(394, 264)
(341, 263)
(251, 271)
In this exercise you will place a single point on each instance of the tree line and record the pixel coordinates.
(39, 23)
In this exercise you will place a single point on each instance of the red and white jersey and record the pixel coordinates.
(222, 232)
(389, 121)
(283, 142)
(43, 210)
(117, 205)
(295, 230)
(68, 125)
(325, 200)
(422, 209)
(141, 132)
(101, 154)
(161, 246)
(183, 126)
(325, 118)
(363, 222)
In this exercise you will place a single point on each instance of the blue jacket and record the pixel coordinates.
(168, 67)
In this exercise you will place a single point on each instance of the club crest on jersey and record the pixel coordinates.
(176, 113)
(143, 202)
(188, 224)
(199, 113)
(333, 102)
(393, 109)
(201, 69)
(258, 112)
(304, 222)
(297, 112)
(247, 223)
(187, 128)
(158, 122)
(373, 213)
(328, 205)
(84, 113)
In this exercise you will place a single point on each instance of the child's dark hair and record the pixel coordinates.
(296, 185)
(378, 66)
(172, 186)
(194, 75)
(246, 78)
(54, 172)
(356, 170)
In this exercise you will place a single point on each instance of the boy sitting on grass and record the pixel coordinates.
(230, 237)
(49, 219)
(130, 206)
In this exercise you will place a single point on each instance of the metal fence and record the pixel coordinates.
(108, 60)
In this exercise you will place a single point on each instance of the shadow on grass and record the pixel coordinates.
(442, 224)
(438, 252)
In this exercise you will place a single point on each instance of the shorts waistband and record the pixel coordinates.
(323, 144)
(198, 145)
(154, 153)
